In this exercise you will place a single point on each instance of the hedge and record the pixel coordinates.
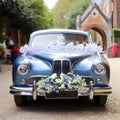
(116, 35)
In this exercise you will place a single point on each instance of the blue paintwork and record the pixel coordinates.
(40, 64)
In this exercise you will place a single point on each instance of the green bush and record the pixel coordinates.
(116, 35)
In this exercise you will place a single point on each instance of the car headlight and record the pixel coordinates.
(99, 69)
(23, 69)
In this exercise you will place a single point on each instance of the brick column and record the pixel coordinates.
(115, 13)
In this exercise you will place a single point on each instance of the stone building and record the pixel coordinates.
(116, 13)
(99, 18)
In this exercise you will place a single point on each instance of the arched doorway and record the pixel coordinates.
(98, 34)
(93, 19)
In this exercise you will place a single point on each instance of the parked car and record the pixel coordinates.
(61, 64)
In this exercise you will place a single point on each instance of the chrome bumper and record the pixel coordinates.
(32, 91)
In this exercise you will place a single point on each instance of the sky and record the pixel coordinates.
(50, 3)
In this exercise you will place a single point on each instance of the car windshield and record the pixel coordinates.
(61, 43)
(47, 40)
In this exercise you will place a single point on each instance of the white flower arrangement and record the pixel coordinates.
(93, 48)
(68, 49)
(64, 82)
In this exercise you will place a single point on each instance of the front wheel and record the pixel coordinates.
(20, 100)
(100, 100)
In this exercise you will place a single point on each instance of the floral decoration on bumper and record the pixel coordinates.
(64, 82)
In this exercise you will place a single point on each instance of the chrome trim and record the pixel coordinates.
(37, 76)
(96, 65)
(29, 91)
(42, 76)
(34, 91)
(91, 91)
(34, 76)
(27, 70)
(88, 77)
(61, 62)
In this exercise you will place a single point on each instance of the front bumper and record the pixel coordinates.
(32, 91)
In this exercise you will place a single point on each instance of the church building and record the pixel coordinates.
(99, 19)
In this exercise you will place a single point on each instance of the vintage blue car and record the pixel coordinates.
(61, 64)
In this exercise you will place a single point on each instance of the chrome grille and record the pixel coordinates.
(88, 79)
(30, 80)
(61, 66)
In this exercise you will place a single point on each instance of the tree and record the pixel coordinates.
(66, 11)
(76, 9)
(28, 15)
(60, 12)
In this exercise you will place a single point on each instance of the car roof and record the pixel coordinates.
(46, 31)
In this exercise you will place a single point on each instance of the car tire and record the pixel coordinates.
(20, 100)
(100, 100)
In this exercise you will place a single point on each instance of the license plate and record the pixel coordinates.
(62, 95)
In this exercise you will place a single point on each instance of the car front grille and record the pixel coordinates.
(30, 80)
(61, 66)
(88, 79)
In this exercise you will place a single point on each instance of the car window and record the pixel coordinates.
(58, 39)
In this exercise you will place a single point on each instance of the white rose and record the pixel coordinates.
(59, 81)
(53, 76)
(62, 76)
(62, 87)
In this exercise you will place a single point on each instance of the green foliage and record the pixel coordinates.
(116, 35)
(29, 15)
(66, 11)
(78, 8)
(60, 12)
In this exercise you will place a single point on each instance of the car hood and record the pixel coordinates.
(59, 56)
